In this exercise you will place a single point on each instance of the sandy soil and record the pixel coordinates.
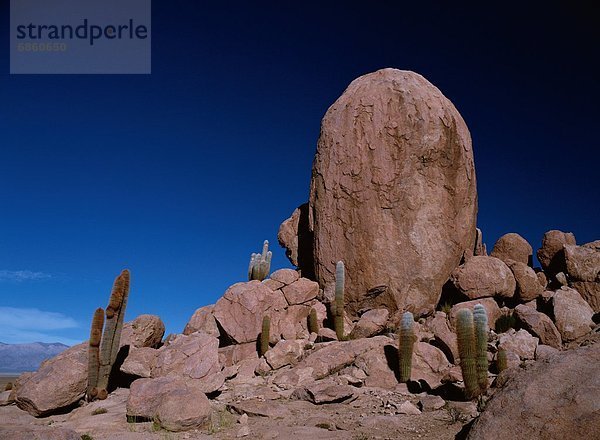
(371, 415)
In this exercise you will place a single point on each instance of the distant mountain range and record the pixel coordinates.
(16, 358)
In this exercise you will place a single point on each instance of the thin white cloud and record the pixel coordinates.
(22, 275)
(19, 325)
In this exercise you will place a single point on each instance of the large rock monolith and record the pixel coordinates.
(393, 192)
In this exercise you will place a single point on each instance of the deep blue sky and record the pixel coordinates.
(181, 174)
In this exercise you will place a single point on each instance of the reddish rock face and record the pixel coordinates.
(583, 268)
(555, 399)
(143, 331)
(551, 254)
(370, 324)
(512, 246)
(393, 192)
(241, 309)
(176, 404)
(572, 315)
(491, 308)
(520, 343)
(539, 325)
(484, 276)
(528, 283)
(202, 319)
(58, 383)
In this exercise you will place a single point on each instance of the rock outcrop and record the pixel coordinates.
(554, 399)
(583, 268)
(520, 343)
(175, 404)
(370, 324)
(528, 283)
(572, 315)
(483, 276)
(203, 320)
(551, 254)
(393, 192)
(241, 309)
(538, 324)
(513, 247)
(143, 331)
(59, 383)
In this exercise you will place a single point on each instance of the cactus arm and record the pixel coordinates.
(94, 353)
(405, 346)
(121, 318)
(251, 266)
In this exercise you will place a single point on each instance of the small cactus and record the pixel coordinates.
(94, 353)
(466, 347)
(501, 360)
(480, 321)
(265, 335)
(338, 317)
(8, 386)
(260, 264)
(313, 322)
(405, 346)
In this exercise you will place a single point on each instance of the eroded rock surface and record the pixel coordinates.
(512, 246)
(393, 180)
(572, 314)
(57, 384)
(482, 277)
(554, 399)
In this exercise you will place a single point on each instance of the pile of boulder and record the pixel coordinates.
(393, 196)
(172, 380)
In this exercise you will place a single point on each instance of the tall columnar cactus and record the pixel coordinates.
(313, 322)
(480, 321)
(260, 264)
(501, 360)
(94, 353)
(467, 349)
(338, 317)
(405, 346)
(109, 347)
(265, 335)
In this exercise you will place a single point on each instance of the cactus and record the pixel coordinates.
(405, 346)
(8, 386)
(501, 360)
(109, 347)
(313, 322)
(265, 335)
(94, 353)
(260, 264)
(480, 321)
(338, 317)
(466, 347)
